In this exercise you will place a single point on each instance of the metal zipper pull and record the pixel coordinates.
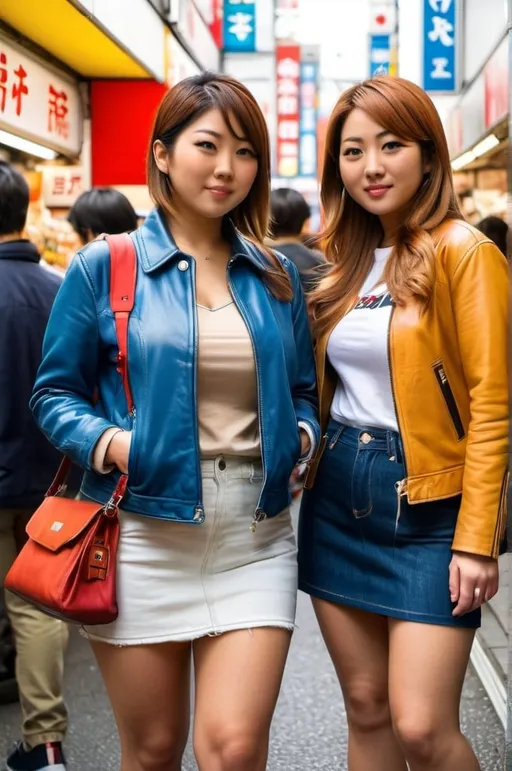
(401, 490)
(259, 516)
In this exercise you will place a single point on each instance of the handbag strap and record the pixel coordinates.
(123, 279)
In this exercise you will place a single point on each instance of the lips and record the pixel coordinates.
(377, 191)
(220, 191)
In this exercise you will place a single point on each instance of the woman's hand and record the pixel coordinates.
(118, 450)
(473, 580)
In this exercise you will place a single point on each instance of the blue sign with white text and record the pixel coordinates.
(309, 72)
(380, 55)
(239, 26)
(440, 45)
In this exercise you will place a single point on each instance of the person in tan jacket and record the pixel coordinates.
(405, 502)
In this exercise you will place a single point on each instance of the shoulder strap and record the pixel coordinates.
(123, 278)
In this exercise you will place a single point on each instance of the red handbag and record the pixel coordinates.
(67, 568)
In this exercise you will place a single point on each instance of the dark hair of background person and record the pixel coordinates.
(182, 105)
(289, 211)
(102, 210)
(497, 230)
(14, 199)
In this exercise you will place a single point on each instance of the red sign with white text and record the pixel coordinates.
(37, 103)
(288, 109)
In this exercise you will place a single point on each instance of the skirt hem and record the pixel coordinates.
(383, 610)
(188, 636)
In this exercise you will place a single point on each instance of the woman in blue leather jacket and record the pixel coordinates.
(223, 381)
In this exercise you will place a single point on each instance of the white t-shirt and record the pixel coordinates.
(358, 351)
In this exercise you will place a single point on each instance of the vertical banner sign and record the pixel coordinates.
(239, 26)
(440, 46)
(288, 113)
(308, 118)
(380, 55)
(216, 23)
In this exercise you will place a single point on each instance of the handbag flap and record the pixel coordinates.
(58, 521)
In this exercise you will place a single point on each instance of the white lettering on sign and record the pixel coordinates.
(441, 31)
(440, 65)
(288, 68)
(241, 25)
(440, 6)
(38, 103)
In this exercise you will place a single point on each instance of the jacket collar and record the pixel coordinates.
(157, 246)
(21, 249)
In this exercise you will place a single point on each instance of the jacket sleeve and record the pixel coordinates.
(62, 400)
(304, 390)
(479, 290)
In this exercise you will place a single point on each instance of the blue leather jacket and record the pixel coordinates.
(79, 356)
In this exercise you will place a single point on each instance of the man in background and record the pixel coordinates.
(27, 466)
(289, 212)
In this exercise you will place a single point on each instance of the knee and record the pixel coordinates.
(367, 707)
(233, 749)
(420, 739)
(156, 753)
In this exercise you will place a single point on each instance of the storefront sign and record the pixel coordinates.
(195, 33)
(287, 19)
(38, 104)
(62, 185)
(239, 26)
(179, 64)
(496, 80)
(380, 55)
(440, 46)
(308, 118)
(288, 111)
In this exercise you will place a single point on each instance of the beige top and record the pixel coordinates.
(227, 386)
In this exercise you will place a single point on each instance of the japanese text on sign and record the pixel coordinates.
(288, 117)
(37, 102)
(440, 45)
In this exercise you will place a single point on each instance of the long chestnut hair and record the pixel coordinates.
(351, 233)
(182, 105)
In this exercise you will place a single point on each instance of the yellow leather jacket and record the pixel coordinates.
(449, 378)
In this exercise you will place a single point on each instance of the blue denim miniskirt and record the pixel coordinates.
(362, 545)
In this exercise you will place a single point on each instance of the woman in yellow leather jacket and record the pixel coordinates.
(404, 506)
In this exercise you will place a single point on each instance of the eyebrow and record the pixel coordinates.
(216, 134)
(360, 140)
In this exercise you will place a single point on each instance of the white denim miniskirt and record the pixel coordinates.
(178, 581)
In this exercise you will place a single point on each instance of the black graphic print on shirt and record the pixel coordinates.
(370, 302)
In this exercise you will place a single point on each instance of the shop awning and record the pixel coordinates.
(62, 30)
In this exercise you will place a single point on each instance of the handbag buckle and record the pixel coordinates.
(112, 506)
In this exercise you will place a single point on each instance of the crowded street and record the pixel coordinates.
(255, 322)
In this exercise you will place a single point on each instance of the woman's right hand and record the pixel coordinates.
(119, 450)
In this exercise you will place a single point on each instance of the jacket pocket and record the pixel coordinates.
(449, 398)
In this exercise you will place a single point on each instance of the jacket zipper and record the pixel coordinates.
(259, 514)
(501, 523)
(401, 485)
(199, 509)
(449, 398)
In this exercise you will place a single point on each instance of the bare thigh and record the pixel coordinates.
(357, 642)
(427, 666)
(238, 678)
(149, 690)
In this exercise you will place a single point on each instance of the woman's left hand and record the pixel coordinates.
(474, 579)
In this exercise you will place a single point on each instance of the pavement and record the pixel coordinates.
(309, 731)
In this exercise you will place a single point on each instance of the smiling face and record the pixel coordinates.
(211, 170)
(380, 171)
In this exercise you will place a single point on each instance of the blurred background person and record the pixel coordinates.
(102, 210)
(497, 230)
(289, 214)
(27, 466)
